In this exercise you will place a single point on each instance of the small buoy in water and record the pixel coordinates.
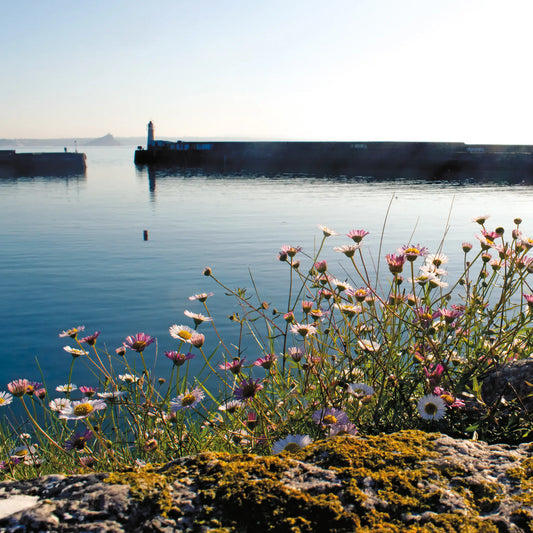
(145, 235)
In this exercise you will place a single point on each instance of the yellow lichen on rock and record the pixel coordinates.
(398, 483)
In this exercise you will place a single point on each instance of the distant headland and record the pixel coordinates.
(105, 140)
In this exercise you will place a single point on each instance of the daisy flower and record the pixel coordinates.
(78, 441)
(91, 339)
(72, 332)
(360, 389)
(182, 333)
(75, 352)
(342, 285)
(267, 361)
(88, 391)
(450, 399)
(81, 409)
(66, 388)
(231, 406)
(357, 235)
(291, 443)
(437, 259)
(5, 399)
(18, 387)
(329, 417)
(432, 269)
(327, 231)
(303, 329)
(291, 251)
(59, 403)
(112, 395)
(342, 429)
(480, 219)
(431, 407)
(33, 387)
(187, 400)
(202, 297)
(138, 342)
(233, 366)
(128, 378)
(295, 353)
(411, 251)
(395, 263)
(27, 454)
(178, 358)
(198, 340)
(197, 317)
(247, 389)
(348, 249)
(368, 345)
(348, 309)
(321, 266)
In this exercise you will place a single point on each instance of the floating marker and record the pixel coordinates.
(145, 235)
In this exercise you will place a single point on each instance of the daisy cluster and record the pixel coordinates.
(344, 355)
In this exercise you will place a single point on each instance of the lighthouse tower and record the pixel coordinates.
(150, 135)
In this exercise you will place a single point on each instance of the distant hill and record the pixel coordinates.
(106, 140)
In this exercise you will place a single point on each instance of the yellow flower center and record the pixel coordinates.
(22, 453)
(292, 447)
(448, 398)
(185, 335)
(412, 250)
(188, 399)
(329, 419)
(83, 409)
(2, 400)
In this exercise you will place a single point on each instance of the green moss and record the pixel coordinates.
(248, 493)
(146, 486)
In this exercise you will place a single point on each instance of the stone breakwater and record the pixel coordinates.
(408, 481)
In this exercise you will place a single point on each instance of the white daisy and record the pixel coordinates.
(128, 378)
(112, 395)
(437, 259)
(291, 443)
(66, 388)
(231, 406)
(431, 407)
(202, 297)
(59, 403)
(360, 389)
(368, 345)
(197, 317)
(81, 409)
(327, 231)
(182, 333)
(75, 352)
(5, 399)
(25, 453)
(303, 329)
(187, 400)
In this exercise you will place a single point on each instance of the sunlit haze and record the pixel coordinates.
(420, 70)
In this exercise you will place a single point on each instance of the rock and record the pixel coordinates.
(407, 481)
(512, 381)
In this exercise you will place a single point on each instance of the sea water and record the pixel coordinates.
(73, 250)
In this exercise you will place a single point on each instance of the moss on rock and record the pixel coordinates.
(397, 482)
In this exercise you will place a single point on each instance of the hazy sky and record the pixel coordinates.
(433, 70)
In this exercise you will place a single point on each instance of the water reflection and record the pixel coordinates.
(447, 180)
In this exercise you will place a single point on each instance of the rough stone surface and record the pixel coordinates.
(409, 481)
(511, 382)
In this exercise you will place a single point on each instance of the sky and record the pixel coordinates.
(363, 70)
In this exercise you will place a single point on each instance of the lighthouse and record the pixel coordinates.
(150, 141)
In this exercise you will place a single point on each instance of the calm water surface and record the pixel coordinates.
(72, 249)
